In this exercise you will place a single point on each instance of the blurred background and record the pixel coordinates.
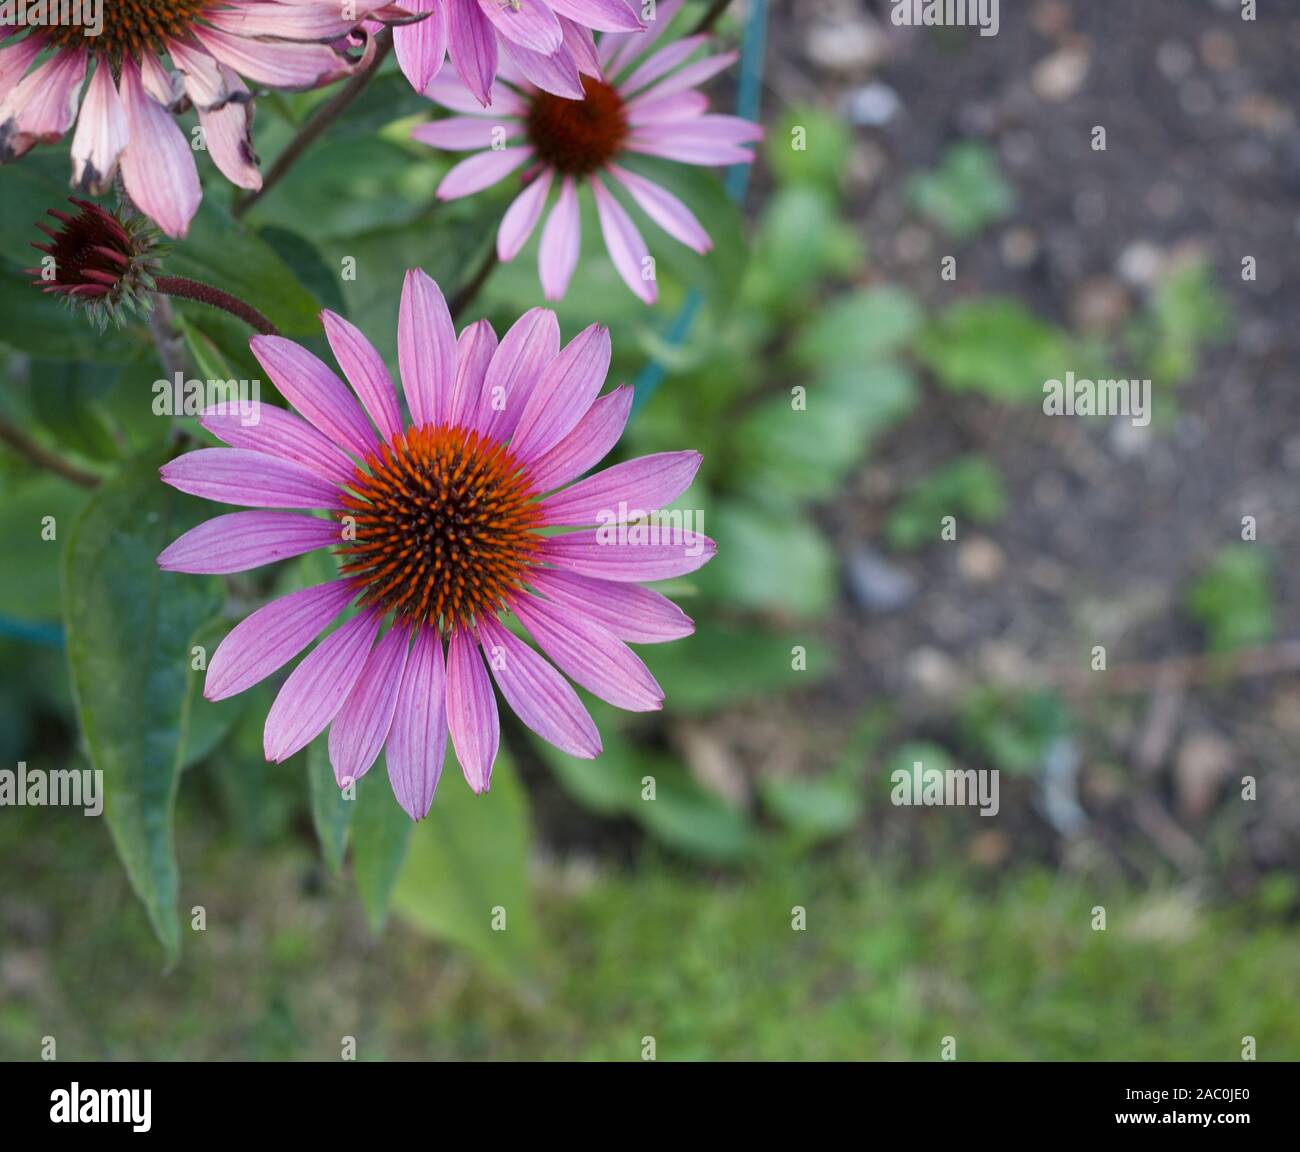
(839, 636)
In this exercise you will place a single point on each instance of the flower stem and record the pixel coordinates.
(215, 298)
(24, 445)
(465, 297)
(316, 124)
(711, 17)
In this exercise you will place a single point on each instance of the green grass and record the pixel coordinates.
(709, 966)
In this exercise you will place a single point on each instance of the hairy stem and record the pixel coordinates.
(215, 298)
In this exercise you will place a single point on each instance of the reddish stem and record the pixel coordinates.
(215, 298)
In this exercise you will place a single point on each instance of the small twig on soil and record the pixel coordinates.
(1192, 671)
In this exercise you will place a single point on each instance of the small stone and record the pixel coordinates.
(1204, 763)
(980, 560)
(990, 849)
(873, 105)
(1218, 50)
(933, 672)
(1061, 75)
(912, 244)
(1262, 113)
(877, 585)
(1141, 264)
(1175, 60)
(846, 41)
(1100, 304)
(1019, 247)
(1051, 18)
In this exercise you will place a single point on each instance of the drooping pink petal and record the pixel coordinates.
(627, 491)
(202, 77)
(529, 23)
(561, 241)
(472, 46)
(426, 349)
(361, 726)
(517, 365)
(664, 209)
(317, 688)
(422, 46)
(365, 370)
(157, 163)
(466, 133)
(315, 391)
(417, 741)
(537, 693)
(471, 711)
(582, 47)
(592, 553)
(556, 73)
(602, 15)
(625, 245)
(253, 479)
(567, 388)
(101, 135)
(482, 170)
(590, 654)
(277, 63)
(522, 216)
(632, 613)
(45, 102)
(239, 541)
(272, 636)
(587, 444)
(283, 434)
(228, 134)
(474, 351)
(15, 59)
(451, 93)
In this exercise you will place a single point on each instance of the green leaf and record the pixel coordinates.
(998, 348)
(45, 326)
(809, 146)
(129, 631)
(819, 809)
(969, 488)
(859, 328)
(801, 239)
(1233, 599)
(30, 574)
(66, 399)
(695, 822)
(965, 194)
(210, 720)
(381, 834)
(331, 813)
(468, 857)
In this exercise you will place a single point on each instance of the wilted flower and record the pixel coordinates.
(99, 260)
(652, 108)
(546, 41)
(125, 116)
(440, 527)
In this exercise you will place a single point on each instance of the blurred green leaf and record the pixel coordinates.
(468, 857)
(45, 326)
(965, 194)
(809, 146)
(381, 834)
(1013, 731)
(858, 328)
(819, 809)
(801, 238)
(129, 631)
(66, 399)
(331, 813)
(969, 488)
(30, 575)
(210, 720)
(1187, 311)
(1233, 599)
(692, 821)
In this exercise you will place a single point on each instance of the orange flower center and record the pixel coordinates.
(577, 137)
(130, 27)
(445, 527)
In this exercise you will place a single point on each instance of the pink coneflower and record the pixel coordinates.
(438, 528)
(651, 108)
(546, 41)
(125, 116)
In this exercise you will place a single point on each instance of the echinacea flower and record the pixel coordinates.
(100, 260)
(545, 41)
(651, 108)
(126, 114)
(441, 525)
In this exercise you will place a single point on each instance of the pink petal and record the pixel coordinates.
(471, 711)
(281, 433)
(556, 72)
(101, 135)
(422, 46)
(602, 15)
(361, 726)
(46, 101)
(472, 46)
(482, 170)
(537, 693)
(567, 388)
(624, 492)
(317, 688)
(626, 247)
(587, 444)
(157, 164)
(695, 73)
(621, 49)
(591, 553)
(561, 242)
(272, 636)
(632, 613)
(522, 216)
(426, 349)
(253, 479)
(278, 63)
(450, 92)
(589, 654)
(417, 741)
(316, 392)
(530, 23)
(465, 133)
(661, 63)
(665, 210)
(228, 133)
(517, 365)
(364, 368)
(474, 352)
(582, 46)
(650, 109)
(239, 541)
